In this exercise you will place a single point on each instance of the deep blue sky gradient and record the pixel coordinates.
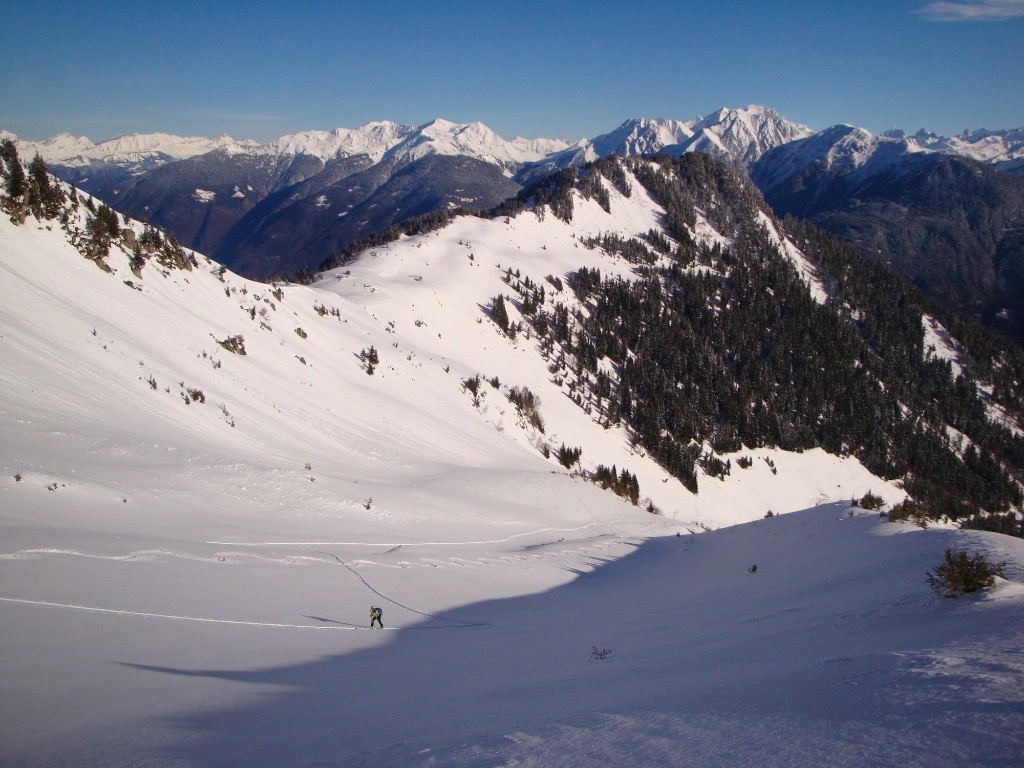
(559, 69)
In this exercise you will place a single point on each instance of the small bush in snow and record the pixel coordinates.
(961, 572)
(370, 359)
(871, 501)
(235, 344)
(908, 510)
(528, 405)
(472, 385)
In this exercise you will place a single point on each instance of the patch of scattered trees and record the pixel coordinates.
(37, 193)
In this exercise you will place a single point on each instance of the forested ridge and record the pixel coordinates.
(718, 349)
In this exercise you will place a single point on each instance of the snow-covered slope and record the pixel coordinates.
(741, 135)
(191, 538)
(641, 136)
(408, 143)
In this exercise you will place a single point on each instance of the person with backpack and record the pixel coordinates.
(375, 614)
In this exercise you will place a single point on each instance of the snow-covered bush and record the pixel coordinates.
(528, 405)
(961, 572)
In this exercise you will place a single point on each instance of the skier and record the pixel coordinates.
(375, 614)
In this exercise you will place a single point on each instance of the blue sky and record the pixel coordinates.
(560, 69)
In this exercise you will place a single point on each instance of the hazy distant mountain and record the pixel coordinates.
(1002, 149)
(273, 208)
(952, 224)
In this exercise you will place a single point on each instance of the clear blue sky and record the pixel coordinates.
(560, 69)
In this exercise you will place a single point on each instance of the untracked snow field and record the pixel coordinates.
(187, 581)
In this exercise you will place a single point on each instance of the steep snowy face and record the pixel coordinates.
(740, 136)
(421, 303)
(1002, 149)
(743, 135)
(642, 136)
(535, 149)
(407, 143)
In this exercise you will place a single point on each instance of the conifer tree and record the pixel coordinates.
(15, 181)
(500, 313)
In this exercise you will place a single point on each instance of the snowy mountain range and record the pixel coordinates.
(137, 152)
(375, 140)
(1003, 149)
(921, 203)
(275, 208)
(856, 154)
(208, 480)
(272, 208)
(741, 135)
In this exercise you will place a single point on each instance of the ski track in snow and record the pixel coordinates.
(147, 555)
(587, 546)
(402, 544)
(147, 615)
(382, 596)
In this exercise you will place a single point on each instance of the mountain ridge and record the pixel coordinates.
(285, 206)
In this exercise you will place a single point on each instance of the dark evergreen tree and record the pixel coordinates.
(15, 181)
(500, 314)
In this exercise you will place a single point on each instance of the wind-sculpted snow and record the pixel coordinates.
(833, 653)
